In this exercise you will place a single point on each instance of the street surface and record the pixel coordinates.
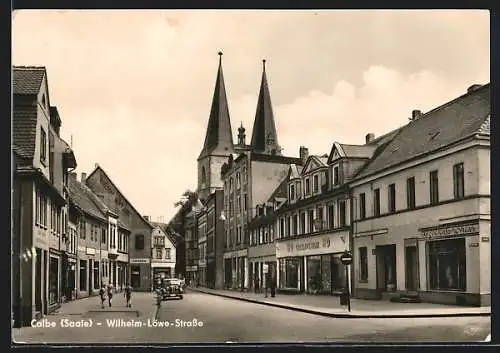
(211, 319)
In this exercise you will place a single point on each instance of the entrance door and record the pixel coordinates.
(386, 269)
(135, 277)
(38, 281)
(411, 268)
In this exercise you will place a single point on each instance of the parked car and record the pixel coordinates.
(170, 289)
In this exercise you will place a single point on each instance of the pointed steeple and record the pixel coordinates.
(219, 136)
(264, 137)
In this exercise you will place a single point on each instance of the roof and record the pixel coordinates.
(358, 151)
(24, 122)
(281, 190)
(264, 136)
(98, 167)
(219, 135)
(456, 120)
(80, 195)
(27, 79)
(295, 171)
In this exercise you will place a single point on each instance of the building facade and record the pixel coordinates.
(42, 161)
(131, 231)
(163, 253)
(191, 246)
(202, 249)
(215, 235)
(422, 208)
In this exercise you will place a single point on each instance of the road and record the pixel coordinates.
(217, 320)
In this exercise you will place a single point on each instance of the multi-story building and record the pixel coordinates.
(191, 247)
(42, 161)
(262, 246)
(163, 253)
(215, 235)
(131, 233)
(89, 225)
(422, 208)
(202, 248)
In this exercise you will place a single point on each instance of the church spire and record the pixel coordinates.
(264, 137)
(219, 136)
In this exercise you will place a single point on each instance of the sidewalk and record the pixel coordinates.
(330, 306)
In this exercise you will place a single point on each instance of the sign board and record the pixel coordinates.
(346, 258)
(265, 268)
(451, 231)
(139, 261)
(91, 251)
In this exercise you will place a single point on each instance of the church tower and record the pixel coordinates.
(264, 137)
(218, 140)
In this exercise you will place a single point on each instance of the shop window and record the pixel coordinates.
(53, 280)
(434, 187)
(458, 181)
(362, 205)
(391, 198)
(447, 267)
(96, 274)
(83, 275)
(314, 274)
(289, 273)
(376, 202)
(410, 193)
(363, 263)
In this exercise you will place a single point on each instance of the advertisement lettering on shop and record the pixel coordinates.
(450, 231)
(324, 243)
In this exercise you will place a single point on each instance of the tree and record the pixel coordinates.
(188, 200)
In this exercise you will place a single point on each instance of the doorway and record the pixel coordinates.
(135, 277)
(386, 269)
(411, 268)
(38, 281)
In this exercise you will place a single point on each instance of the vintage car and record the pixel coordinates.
(171, 288)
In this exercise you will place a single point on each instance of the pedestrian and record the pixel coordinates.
(273, 286)
(128, 295)
(110, 294)
(102, 294)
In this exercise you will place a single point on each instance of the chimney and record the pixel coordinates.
(303, 153)
(415, 114)
(473, 88)
(84, 177)
(370, 137)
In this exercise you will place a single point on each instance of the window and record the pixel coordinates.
(362, 205)
(238, 180)
(159, 253)
(167, 253)
(376, 202)
(310, 221)
(83, 230)
(331, 216)
(447, 266)
(434, 187)
(288, 226)
(302, 223)
(316, 183)
(458, 181)
(410, 193)
(308, 186)
(363, 264)
(336, 176)
(391, 194)
(295, 226)
(342, 214)
(245, 202)
(139, 242)
(282, 227)
(103, 235)
(292, 192)
(43, 145)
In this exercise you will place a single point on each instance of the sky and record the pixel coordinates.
(134, 88)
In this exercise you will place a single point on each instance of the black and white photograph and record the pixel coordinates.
(250, 177)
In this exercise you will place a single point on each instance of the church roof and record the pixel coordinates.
(264, 137)
(219, 136)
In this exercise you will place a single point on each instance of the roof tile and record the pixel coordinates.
(80, 195)
(27, 79)
(24, 130)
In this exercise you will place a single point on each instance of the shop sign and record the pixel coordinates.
(474, 245)
(139, 261)
(90, 251)
(309, 245)
(81, 248)
(450, 232)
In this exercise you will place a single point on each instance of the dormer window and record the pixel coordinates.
(336, 176)
(307, 186)
(316, 183)
(292, 192)
(43, 145)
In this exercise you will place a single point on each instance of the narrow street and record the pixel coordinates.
(210, 319)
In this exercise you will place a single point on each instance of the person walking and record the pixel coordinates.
(110, 294)
(102, 295)
(128, 295)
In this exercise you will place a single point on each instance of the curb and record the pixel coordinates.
(345, 316)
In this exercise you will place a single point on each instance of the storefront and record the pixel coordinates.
(312, 264)
(236, 268)
(54, 267)
(140, 274)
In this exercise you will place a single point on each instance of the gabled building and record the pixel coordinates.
(163, 253)
(41, 161)
(421, 208)
(130, 225)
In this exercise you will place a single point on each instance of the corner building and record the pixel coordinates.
(422, 208)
